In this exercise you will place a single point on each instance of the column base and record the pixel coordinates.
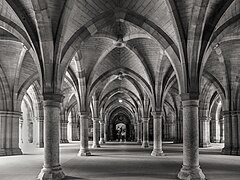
(10, 152)
(139, 142)
(234, 151)
(215, 141)
(54, 173)
(205, 145)
(191, 173)
(227, 150)
(96, 146)
(221, 140)
(84, 152)
(157, 152)
(40, 145)
(64, 141)
(177, 141)
(101, 141)
(145, 144)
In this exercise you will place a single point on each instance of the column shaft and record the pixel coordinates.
(204, 132)
(215, 133)
(84, 151)
(157, 132)
(64, 132)
(234, 134)
(95, 133)
(190, 169)
(221, 123)
(40, 125)
(139, 134)
(227, 134)
(9, 133)
(102, 124)
(51, 168)
(145, 142)
(105, 132)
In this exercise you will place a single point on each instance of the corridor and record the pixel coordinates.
(116, 161)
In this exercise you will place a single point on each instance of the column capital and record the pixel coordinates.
(95, 119)
(190, 103)
(157, 114)
(53, 97)
(101, 121)
(221, 120)
(16, 114)
(205, 118)
(189, 96)
(231, 113)
(145, 119)
(53, 100)
(83, 114)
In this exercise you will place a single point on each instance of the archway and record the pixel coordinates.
(120, 128)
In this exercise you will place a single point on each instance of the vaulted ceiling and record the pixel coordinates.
(140, 51)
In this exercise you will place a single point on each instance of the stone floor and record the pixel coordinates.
(115, 161)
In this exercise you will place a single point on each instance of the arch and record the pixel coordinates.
(85, 32)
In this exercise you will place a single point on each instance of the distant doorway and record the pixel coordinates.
(121, 132)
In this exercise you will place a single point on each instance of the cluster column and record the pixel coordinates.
(102, 139)
(190, 169)
(84, 150)
(157, 130)
(145, 142)
(51, 168)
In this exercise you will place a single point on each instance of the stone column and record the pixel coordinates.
(84, 151)
(215, 134)
(9, 133)
(21, 130)
(105, 132)
(145, 142)
(51, 168)
(135, 132)
(190, 169)
(227, 133)
(204, 132)
(139, 133)
(102, 124)
(238, 115)
(64, 132)
(178, 132)
(41, 133)
(234, 134)
(40, 125)
(157, 132)
(63, 128)
(95, 143)
(75, 132)
(221, 124)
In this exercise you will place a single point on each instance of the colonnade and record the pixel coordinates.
(189, 128)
